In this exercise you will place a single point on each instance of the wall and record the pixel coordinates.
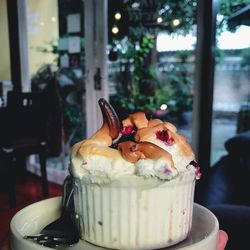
(4, 41)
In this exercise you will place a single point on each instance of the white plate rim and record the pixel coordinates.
(57, 200)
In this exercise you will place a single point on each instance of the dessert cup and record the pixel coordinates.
(135, 212)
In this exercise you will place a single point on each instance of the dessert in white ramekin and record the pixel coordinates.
(134, 186)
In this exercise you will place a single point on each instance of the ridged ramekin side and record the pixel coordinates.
(130, 217)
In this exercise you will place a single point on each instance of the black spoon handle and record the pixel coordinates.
(68, 197)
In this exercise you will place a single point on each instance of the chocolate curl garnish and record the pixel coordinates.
(110, 117)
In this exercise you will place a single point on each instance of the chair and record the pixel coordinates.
(23, 133)
(225, 191)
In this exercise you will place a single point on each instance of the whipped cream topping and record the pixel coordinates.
(100, 169)
(155, 168)
(167, 159)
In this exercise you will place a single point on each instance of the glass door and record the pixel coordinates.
(152, 58)
(67, 55)
(231, 103)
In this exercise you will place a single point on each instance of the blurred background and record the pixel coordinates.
(187, 62)
(150, 60)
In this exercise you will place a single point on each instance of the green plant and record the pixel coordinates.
(72, 121)
(175, 89)
(226, 9)
(136, 89)
(144, 70)
(179, 83)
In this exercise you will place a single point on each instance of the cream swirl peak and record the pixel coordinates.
(136, 146)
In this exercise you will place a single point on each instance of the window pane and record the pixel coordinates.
(42, 33)
(231, 104)
(151, 59)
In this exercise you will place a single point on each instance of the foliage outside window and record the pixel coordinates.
(135, 46)
(144, 90)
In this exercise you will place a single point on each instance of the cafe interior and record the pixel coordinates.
(59, 57)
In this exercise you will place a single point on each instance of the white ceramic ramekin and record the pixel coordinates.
(135, 213)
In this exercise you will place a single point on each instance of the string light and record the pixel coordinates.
(176, 22)
(42, 23)
(53, 19)
(118, 15)
(163, 106)
(159, 20)
(115, 30)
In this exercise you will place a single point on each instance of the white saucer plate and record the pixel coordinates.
(31, 219)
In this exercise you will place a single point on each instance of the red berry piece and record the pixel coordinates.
(198, 173)
(164, 136)
(128, 130)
